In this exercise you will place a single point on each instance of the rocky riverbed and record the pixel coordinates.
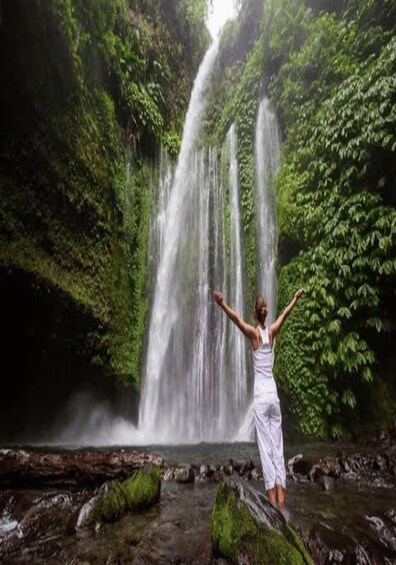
(343, 505)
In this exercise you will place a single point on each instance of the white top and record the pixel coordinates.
(263, 360)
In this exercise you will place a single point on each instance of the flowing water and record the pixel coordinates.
(175, 334)
(267, 153)
(197, 375)
(196, 379)
(237, 345)
(196, 382)
(352, 523)
(267, 160)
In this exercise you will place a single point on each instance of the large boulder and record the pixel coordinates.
(136, 493)
(247, 529)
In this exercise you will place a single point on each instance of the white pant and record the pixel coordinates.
(268, 420)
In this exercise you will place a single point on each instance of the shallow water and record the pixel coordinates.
(223, 452)
(177, 529)
(351, 520)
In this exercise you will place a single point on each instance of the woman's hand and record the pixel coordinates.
(218, 297)
(298, 294)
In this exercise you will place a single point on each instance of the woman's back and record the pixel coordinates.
(263, 360)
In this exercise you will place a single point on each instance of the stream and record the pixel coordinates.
(348, 521)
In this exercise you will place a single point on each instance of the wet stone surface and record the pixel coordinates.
(343, 505)
(175, 530)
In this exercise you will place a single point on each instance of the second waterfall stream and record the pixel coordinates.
(197, 377)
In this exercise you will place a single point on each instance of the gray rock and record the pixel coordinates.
(327, 483)
(246, 467)
(256, 475)
(83, 519)
(184, 474)
(204, 470)
(169, 474)
(292, 461)
(379, 463)
(344, 464)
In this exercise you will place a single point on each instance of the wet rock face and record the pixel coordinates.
(247, 529)
(89, 468)
(28, 516)
(246, 470)
(373, 541)
(70, 468)
(376, 469)
(335, 507)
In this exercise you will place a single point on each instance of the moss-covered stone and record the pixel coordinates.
(89, 91)
(143, 489)
(140, 491)
(111, 506)
(238, 534)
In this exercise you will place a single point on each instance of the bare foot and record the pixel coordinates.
(271, 496)
(280, 493)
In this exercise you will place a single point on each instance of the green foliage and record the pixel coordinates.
(305, 382)
(246, 106)
(378, 15)
(241, 109)
(129, 281)
(335, 203)
(286, 25)
(331, 78)
(91, 85)
(172, 143)
(312, 72)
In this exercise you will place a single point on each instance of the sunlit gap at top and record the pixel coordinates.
(219, 13)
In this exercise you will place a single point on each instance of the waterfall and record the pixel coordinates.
(267, 161)
(158, 219)
(196, 378)
(174, 389)
(267, 154)
(238, 343)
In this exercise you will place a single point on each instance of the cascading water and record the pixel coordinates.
(267, 153)
(267, 161)
(158, 220)
(172, 404)
(196, 378)
(237, 342)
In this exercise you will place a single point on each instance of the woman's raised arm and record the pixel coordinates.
(276, 326)
(248, 330)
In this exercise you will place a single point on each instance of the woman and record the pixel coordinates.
(266, 402)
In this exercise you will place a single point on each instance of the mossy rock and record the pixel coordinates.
(140, 491)
(247, 529)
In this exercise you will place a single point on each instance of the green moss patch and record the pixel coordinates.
(140, 491)
(236, 533)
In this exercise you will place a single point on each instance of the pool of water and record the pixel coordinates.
(213, 453)
(354, 520)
